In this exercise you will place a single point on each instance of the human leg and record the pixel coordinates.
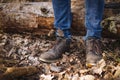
(94, 12)
(62, 13)
(93, 17)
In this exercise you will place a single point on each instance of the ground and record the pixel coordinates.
(23, 50)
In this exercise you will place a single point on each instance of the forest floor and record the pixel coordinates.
(21, 50)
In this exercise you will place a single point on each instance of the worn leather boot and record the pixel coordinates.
(93, 52)
(62, 45)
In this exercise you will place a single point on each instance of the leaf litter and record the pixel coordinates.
(25, 49)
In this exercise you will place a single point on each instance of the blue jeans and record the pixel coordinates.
(93, 17)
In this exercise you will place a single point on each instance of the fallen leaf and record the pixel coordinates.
(84, 71)
(98, 69)
(108, 76)
(75, 77)
(46, 77)
(87, 77)
(67, 77)
(55, 68)
(61, 75)
(117, 72)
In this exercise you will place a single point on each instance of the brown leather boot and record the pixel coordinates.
(93, 51)
(62, 45)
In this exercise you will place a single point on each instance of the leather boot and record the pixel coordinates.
(93, 51)
(62, 45)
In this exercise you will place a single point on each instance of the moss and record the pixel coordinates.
(110, 24)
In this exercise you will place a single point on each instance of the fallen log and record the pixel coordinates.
(4, 61)
(38, 18)
(10, 73)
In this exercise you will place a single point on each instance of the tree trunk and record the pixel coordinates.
(38, 18)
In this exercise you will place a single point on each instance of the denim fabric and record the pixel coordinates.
(62, 13)
(93, 17)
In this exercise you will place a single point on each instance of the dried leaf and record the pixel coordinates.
(117, 72)
(87, 77)
(51, 32)
(46, 77)
(98, 69)
(61, 75)
(108, 76)
(56, 68)
(84, 71)
(67, 77)
(75, 77)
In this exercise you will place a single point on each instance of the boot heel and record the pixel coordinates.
(67, 52)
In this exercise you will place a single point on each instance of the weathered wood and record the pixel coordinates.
(38, 18)
(10, 73)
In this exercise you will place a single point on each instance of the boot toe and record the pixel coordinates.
(49, 56)
(92, 59)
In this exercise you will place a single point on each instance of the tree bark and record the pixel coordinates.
(38, 18)
(10, 73)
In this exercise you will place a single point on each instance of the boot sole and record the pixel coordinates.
(49, 61)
